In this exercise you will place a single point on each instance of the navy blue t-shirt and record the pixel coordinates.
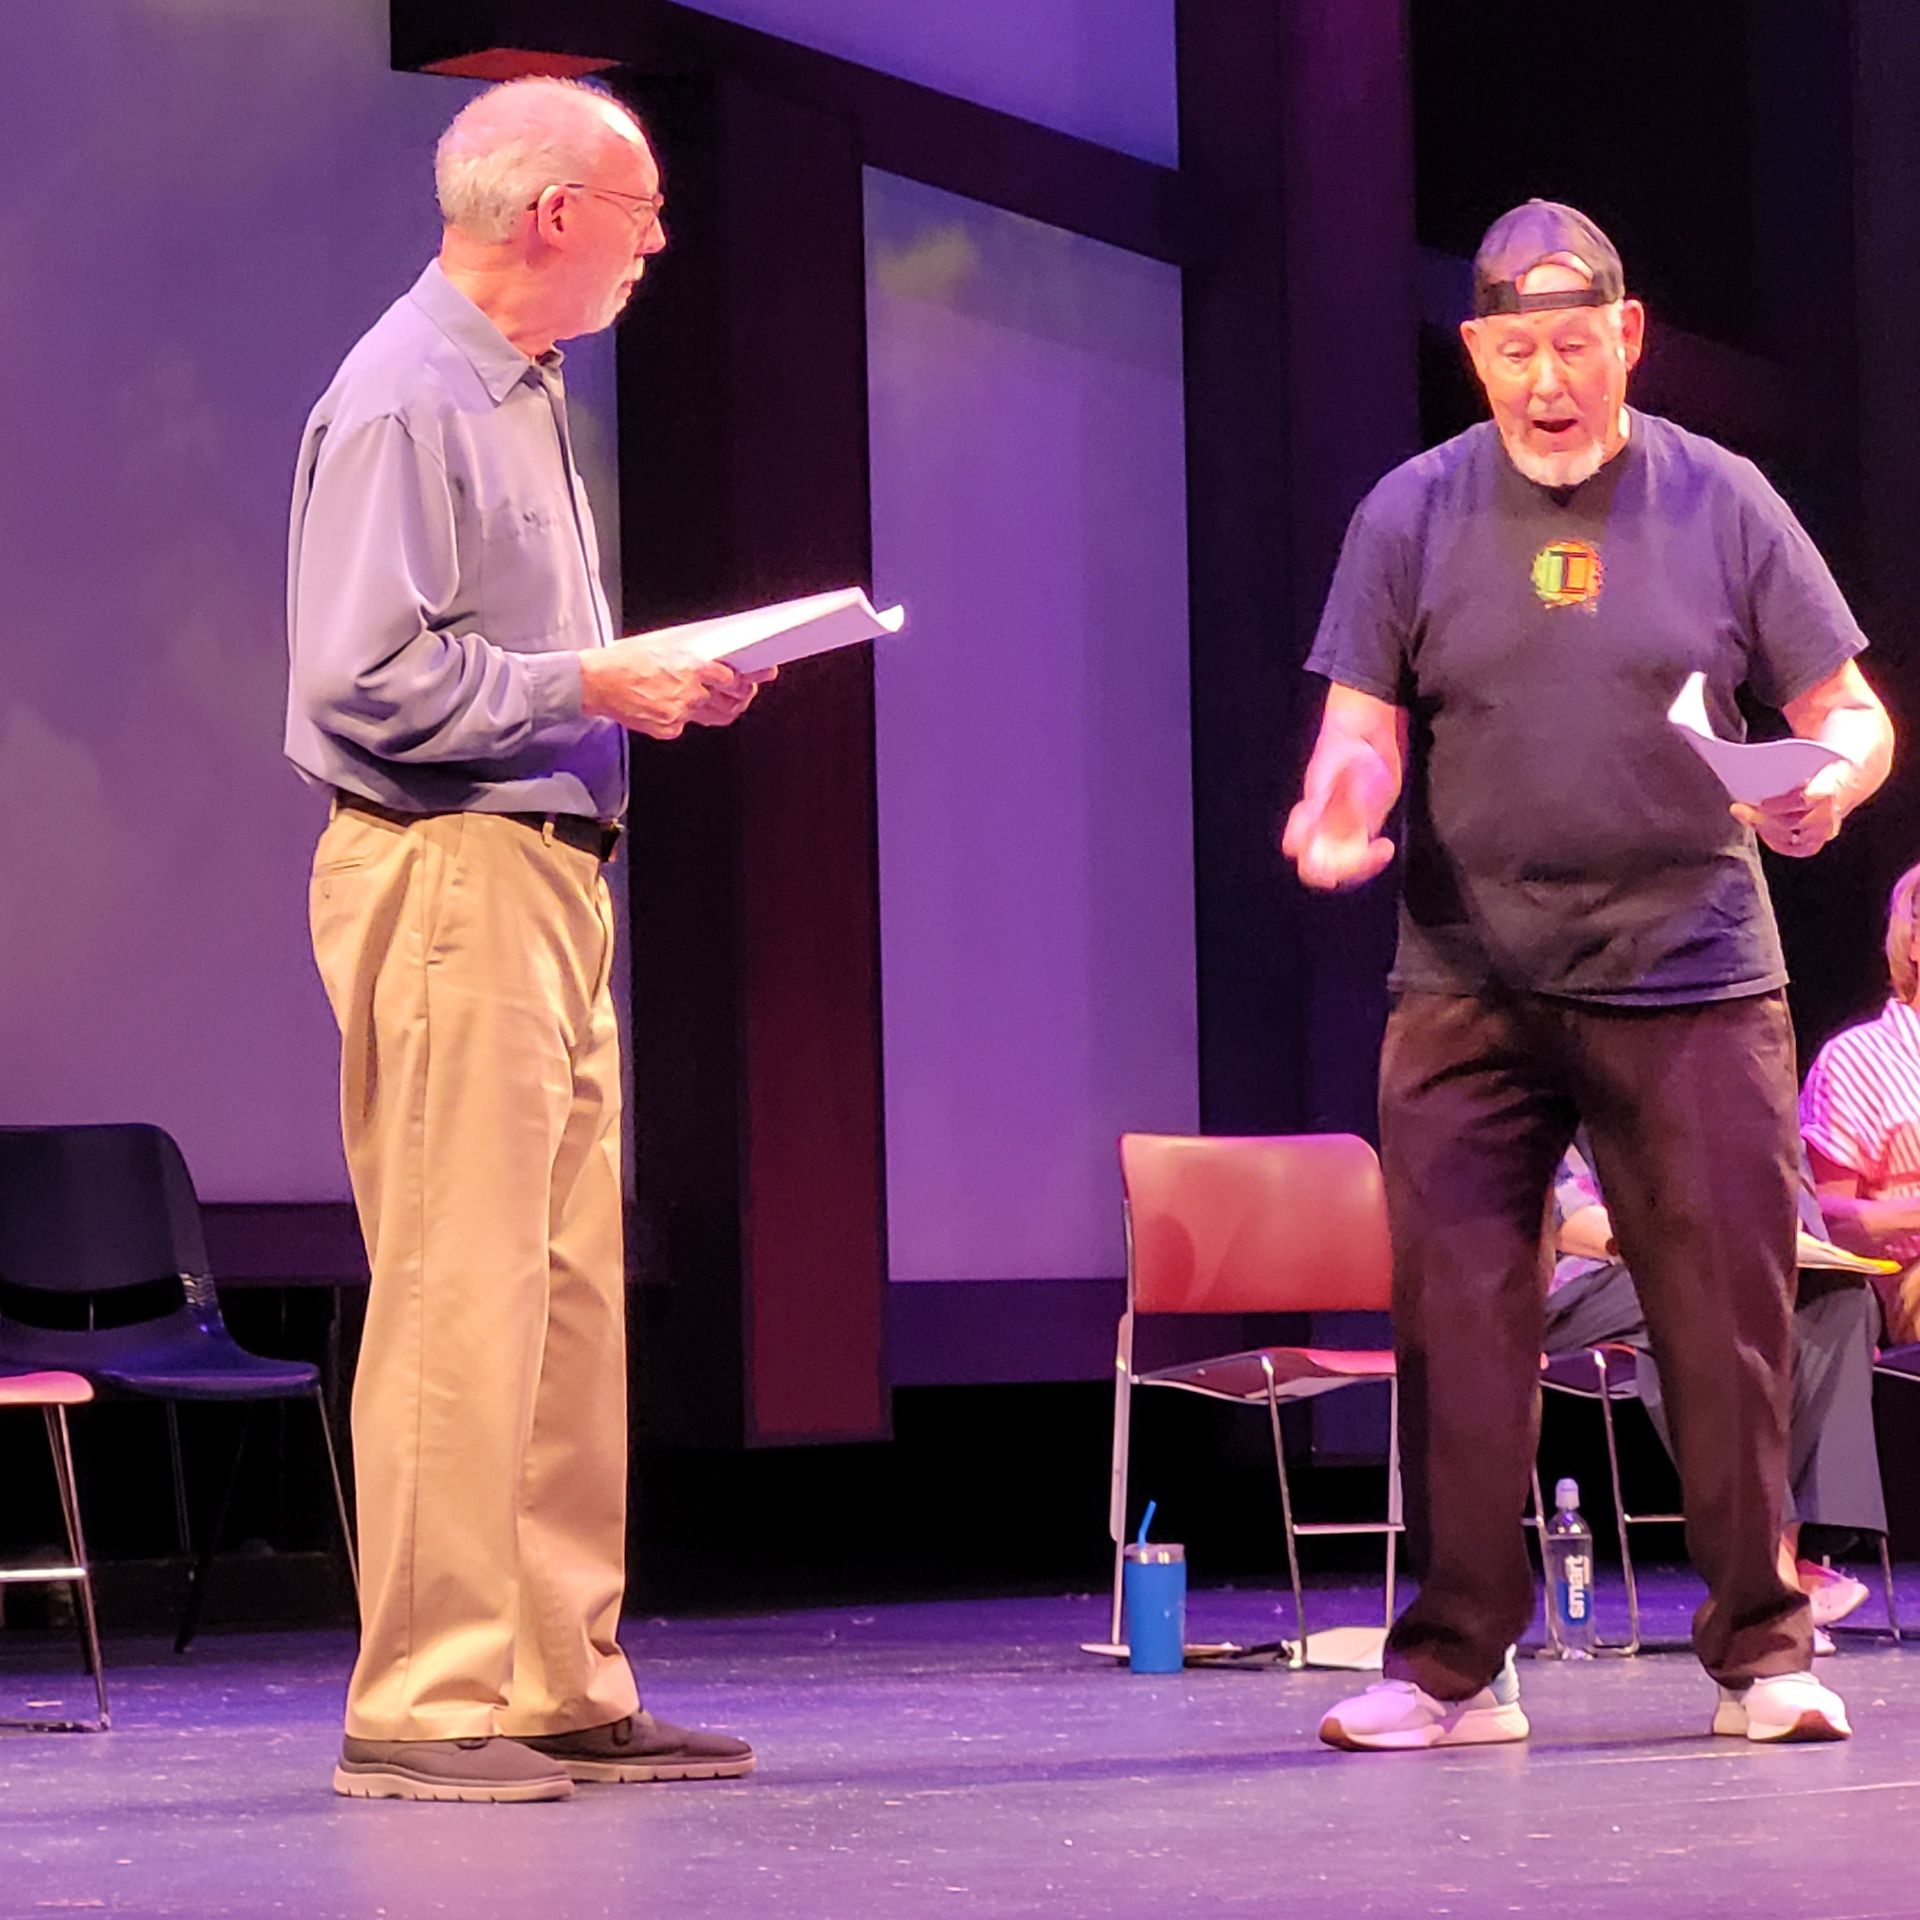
(1560, 836)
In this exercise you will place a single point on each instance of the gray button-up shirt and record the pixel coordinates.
(443, 577)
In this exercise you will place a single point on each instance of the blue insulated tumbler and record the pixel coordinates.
(1155, 1585)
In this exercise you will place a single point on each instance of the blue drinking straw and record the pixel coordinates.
(1146, 1520)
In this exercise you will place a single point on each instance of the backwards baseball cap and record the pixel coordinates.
(1530, 236)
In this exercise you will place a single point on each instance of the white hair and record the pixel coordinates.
(508, 143)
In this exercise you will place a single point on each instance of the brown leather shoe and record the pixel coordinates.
(643, 1748)
(492, 1769)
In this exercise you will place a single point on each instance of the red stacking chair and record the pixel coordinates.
(53, 1394)
(1605, 1373)
(1295, 1224)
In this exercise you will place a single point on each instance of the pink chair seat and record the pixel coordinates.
(43, 1390)
(53, 1390)
(1297, 1371)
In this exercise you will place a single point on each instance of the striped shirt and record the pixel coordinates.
(1860, 1108)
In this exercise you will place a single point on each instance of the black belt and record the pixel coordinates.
(598, 837)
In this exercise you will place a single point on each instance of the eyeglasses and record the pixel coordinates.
(643, 209)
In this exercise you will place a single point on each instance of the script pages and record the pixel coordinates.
(789, 630)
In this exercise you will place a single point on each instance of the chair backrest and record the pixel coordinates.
(88, 1209)
(1289, 1224)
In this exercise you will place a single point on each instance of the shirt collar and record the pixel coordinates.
(499, 363)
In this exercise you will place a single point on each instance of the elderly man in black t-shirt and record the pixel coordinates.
(1584, 935)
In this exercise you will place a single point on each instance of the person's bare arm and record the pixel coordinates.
(1587, 1232)
(1844, 713)
(1854, 1222)
(1333, 834)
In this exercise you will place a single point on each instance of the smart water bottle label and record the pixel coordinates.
(1576, 1588)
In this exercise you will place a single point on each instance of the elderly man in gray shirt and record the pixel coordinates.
(457, 685)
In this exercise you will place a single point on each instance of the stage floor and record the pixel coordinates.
(964, 1757)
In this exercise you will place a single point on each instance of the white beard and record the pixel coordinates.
(1558, 469)
(611, 309)
(1563, 469)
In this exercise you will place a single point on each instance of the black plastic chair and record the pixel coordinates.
(87, 1213)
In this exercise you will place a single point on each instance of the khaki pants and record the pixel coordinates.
(467, 959)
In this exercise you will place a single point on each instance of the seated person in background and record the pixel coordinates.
(1833, 1469)
(1860, 1119)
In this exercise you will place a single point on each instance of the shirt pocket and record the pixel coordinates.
(532, 582)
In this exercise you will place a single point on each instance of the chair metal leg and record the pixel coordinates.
(1886, 1587)
(182, 1519)
(339, 1489)
(197, 1578)
(1117, 1474)
(68, 1483)
(1395, 1517)
(1631, 1645)
(1540, 1533)
(1286, 1518)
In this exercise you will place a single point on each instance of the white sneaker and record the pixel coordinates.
(1822, 1641)
(1782, 1706)
(1832, 1592)
(1397, 1716)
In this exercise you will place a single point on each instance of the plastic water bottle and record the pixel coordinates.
(1566, 1551)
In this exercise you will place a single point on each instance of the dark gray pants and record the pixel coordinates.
(1691, 1111)
(1833, 1466)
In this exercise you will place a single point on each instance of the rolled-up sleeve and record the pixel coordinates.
(380, 659)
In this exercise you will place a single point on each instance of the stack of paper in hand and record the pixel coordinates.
(765, 637)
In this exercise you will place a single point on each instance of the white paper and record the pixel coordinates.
(1753, 770)
(789, 630)
(1356, 1649)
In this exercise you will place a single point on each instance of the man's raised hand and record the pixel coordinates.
(1331, 835)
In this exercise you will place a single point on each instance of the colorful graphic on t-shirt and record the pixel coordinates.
(1567, 574)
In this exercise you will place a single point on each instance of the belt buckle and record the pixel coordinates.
(579, 830)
